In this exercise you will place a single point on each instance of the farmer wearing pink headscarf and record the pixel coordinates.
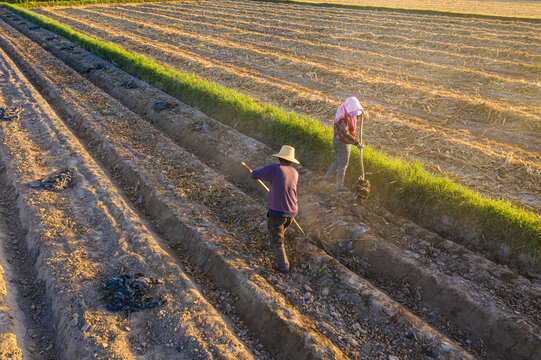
(345, 124)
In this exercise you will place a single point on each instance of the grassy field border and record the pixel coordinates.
(402, 186)
(35, 4)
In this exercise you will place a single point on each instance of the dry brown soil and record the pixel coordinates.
(86, 233)
(161, 192)
(459, 94)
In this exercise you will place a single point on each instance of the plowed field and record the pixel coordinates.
(459, 94)
(161, 192)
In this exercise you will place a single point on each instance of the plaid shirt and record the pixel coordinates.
(345, 120)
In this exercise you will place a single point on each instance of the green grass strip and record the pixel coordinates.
(44, 3)
(409, 10)
(402, 186)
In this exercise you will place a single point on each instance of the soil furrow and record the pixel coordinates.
(421, 276)
(82, 235)
(174, 185)
(11, 325)
(498, 179)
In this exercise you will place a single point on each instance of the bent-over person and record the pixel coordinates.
(282, 205)
(345, 125)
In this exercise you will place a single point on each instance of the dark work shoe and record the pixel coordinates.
(275, 266)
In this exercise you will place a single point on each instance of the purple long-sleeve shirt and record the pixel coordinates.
(283, 189)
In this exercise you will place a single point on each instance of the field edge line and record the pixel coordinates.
(35, 4)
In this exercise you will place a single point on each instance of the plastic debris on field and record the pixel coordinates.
(205, 128)
(159, 106)
(60, 180)
(9, 114)
(357, 230)
(129, 84)
(130, 292)
(97, 67)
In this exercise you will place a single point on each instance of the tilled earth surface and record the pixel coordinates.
(458, 93)
(78, 237)
(146, 200)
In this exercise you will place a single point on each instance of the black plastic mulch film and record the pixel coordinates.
(130, 292)
(60, 180)
(9, 114)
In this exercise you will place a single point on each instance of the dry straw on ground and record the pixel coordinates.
(457, 94)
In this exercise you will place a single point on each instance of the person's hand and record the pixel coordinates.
(359, 146)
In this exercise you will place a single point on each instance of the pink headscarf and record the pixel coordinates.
(351, 107)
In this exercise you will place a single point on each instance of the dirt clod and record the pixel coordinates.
(362, 189)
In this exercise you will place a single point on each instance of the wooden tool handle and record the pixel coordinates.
(361, 152)
(299, 227)
(259, 181)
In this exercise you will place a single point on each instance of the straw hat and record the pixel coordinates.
(287, 153)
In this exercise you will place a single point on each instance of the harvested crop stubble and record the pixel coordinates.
(489, 7)
(305, 34)
(376, 31)
(101, 78)
(192, 192)
(471, 116)
(167, 33)
(306, 66)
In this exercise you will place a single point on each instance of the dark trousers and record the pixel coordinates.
(277, 226)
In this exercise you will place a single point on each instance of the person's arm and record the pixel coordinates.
(344, 132)
(265, 173)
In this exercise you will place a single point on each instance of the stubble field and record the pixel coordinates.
(459, 94)
(520, 8)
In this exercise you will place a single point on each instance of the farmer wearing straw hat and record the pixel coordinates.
(282, 201)
(345, 124)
